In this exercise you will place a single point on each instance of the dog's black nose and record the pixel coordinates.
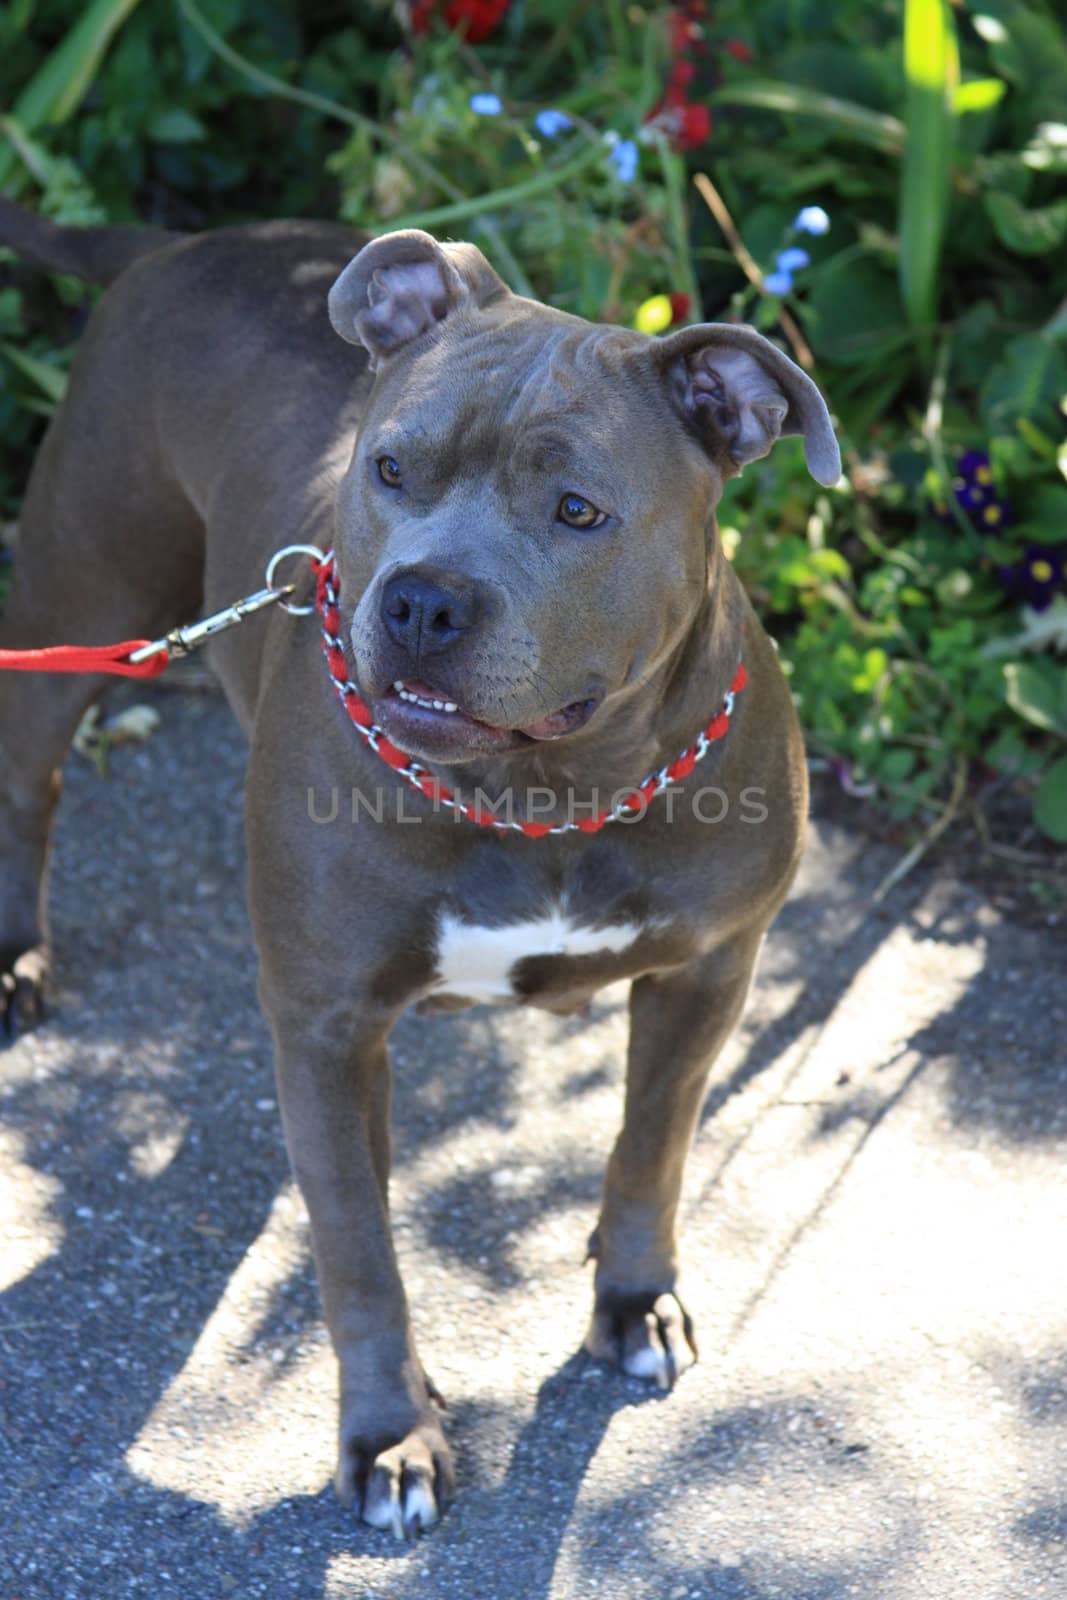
(425, 615)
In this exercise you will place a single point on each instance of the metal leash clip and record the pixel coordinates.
(183, 641)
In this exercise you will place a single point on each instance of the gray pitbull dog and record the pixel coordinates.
(535, 606)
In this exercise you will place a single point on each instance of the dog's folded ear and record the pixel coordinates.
(404, 283)
(738, 390)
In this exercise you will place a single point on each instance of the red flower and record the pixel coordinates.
(687, 122)
(680, 304)
(738, 49)
(477, 18)
(694, 127)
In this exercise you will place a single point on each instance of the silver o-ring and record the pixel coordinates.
(279, 555)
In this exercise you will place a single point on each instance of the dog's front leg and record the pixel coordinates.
(678, 1024)
(333, 1078)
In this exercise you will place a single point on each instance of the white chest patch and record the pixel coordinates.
(476, 962)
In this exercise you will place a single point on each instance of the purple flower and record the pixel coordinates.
(549, 123)
(486, 105)
(975, 493)
(778, 282)
(974, 467)
(991, 517)
(971, 496)
(1037, 576)
(623, 157)
(813, 220)
(792, 260)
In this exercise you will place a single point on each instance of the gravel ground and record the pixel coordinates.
(874, 1211)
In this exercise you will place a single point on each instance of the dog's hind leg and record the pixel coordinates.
(103, 555)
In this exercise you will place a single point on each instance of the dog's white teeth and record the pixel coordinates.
(420, 700)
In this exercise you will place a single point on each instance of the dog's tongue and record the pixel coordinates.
(551, 727)
(560, 722)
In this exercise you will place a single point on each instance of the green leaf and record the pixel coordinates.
(897, 765)
(1028, 233)
(1050, 802)
(931, 68)
(176, 126)
(875, 665)
(1046, 509)
(981, 94)
(857, 317)
(1033, 695)
(50, 380)
(1031, 377)
(830, 564)
(798, 573)
(1010, 753)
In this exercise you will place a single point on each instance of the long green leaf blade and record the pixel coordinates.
(931, 70)
(60, 84)
(851, 120)
(50, 380)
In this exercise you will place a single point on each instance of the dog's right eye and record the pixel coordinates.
(389, 471)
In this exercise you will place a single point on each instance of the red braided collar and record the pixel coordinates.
(634, 804)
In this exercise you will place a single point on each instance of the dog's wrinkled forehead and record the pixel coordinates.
(725, 386)
(522, 365)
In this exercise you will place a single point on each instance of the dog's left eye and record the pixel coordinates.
(389, 471)
(577, 512)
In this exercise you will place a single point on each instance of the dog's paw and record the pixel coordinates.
(648, 1335)
(23, 975)
(401, 1488)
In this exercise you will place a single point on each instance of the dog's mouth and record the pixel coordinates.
(426, 721)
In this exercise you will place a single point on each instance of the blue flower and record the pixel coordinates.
(486, 105)
(778, 282)
(623, 157)
(813, 219)
(549, 123)
(792, 260)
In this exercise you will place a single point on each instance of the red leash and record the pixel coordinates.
(147, 658)
(80, 658)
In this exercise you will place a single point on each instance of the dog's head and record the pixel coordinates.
(528, 517)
